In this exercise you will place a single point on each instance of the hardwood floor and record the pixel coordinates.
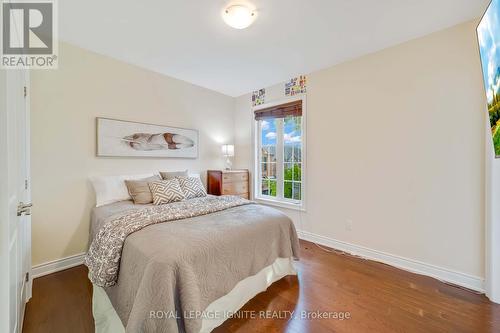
(61, 302)
(379, 298)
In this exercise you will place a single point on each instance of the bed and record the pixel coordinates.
(188, 273)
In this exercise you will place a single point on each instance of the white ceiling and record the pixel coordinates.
(188, 40)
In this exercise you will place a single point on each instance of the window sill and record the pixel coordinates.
(281, 204)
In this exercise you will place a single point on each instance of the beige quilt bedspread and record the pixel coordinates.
(182, 266)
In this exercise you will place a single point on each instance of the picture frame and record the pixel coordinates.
(123, 138)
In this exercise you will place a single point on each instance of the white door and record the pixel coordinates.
(15, 198)
(23, 209)
(15, 269)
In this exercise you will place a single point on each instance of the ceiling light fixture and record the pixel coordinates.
(239, 16)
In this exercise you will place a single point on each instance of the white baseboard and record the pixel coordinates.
(461, 279)
(57, 265)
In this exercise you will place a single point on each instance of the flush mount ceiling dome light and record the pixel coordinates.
(238, 16)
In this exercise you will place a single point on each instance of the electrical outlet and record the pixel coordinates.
(348, 225)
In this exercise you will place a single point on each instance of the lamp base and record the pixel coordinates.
(229, 164)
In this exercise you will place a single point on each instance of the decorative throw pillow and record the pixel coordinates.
(173, 174)
(109, 189)
(192, 187)
(139, 189)
(166, 191)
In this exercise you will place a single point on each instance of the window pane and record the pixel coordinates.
(265, 187)
(287, 171)
(272, 188)
(287, 190)
(292, 152)
(268, 131)
(268, 170)
(293, 123)
(263, 170)
(272, 171)
(297, 152)
(292, 139)
(268, 154)
(297, 171)
(292, 131)
(297, 195)
(288, 153)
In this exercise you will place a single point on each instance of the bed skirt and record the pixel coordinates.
(107, 320)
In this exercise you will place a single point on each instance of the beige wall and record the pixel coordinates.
(64, 105)
(395, 143)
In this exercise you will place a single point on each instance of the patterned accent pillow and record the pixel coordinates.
(192, 187)
(166, 191)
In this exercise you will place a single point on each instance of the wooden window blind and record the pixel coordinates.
(291, 109)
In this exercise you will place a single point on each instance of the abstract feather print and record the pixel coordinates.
(160, 141)
(121, 138)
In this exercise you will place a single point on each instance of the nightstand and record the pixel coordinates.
(228, 182)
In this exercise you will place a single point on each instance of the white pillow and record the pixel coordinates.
(109, 189)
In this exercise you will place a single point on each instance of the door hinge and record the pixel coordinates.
(27, 277)
(25, 91)
(25, 184)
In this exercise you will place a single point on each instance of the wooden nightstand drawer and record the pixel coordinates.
(228, 182)
(235, 188)
(230, 177)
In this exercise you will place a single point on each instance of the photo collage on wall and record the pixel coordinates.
(258, 97)
(297, 85)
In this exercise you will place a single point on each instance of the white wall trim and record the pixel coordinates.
(492, 225)
(57, 265)
(443, 274)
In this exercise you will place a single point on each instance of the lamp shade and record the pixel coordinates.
(228, 150)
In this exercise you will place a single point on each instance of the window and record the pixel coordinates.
(279, 153)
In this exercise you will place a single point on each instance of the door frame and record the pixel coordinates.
(26, 290)
(12, 99)
(492, 219)
(12, 83)
(4, 208)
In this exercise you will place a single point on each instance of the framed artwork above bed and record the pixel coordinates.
(120, 138)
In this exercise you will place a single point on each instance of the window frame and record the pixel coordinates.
(279, 200)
